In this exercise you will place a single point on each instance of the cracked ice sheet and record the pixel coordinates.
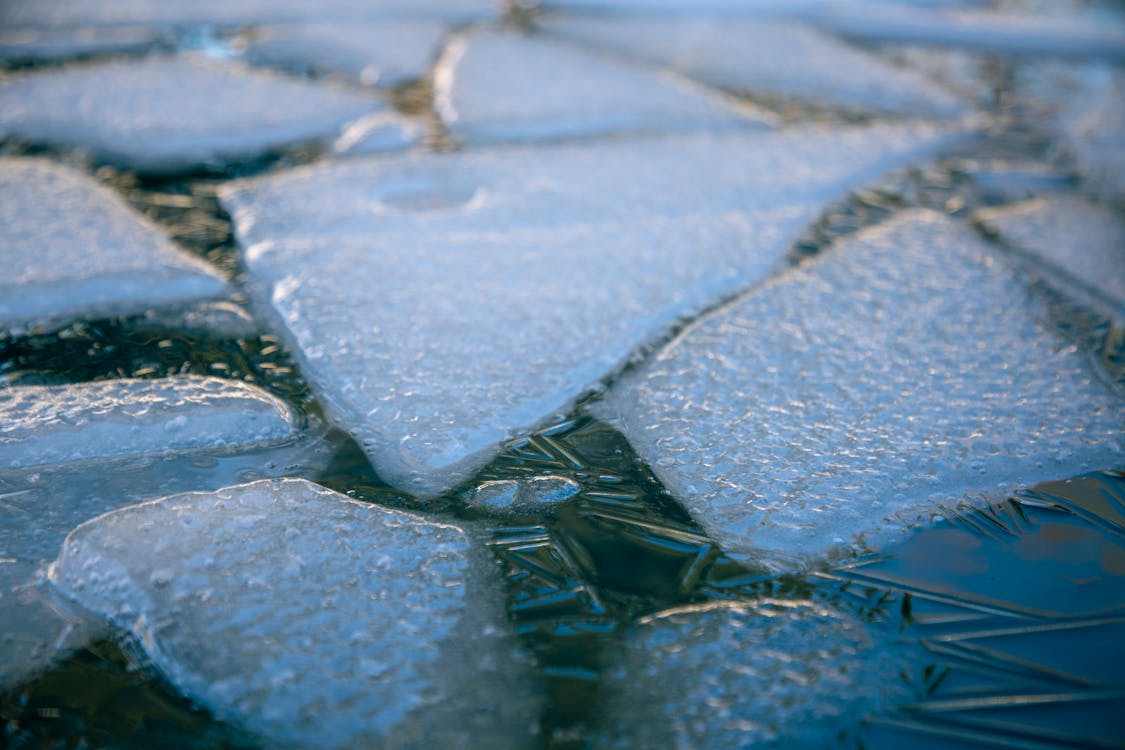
(442, 303)
(776, 58)
(272, 602)
(775, 673)
(45, 425)
(1083, 239)
(70, 247)
(384, 53)
(167, 114)
(834, 406)
(40, 506)
(489, 87)
(185, 13)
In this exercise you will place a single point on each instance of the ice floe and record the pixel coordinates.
(44, 425)
(166, 114)
(773, 58)
(834, 406)
(442, 303)
(490, 87)
(70, 247)
(774, 673)
(1084, 240)
(375, 53)
(272, 602)
(533, 494)
(36, 45)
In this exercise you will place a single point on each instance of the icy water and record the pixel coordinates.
(1001, 623)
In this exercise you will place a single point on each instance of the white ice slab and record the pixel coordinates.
(382, 53)
(70, 247)
(773, 58)
(279, 602)
(443, 303)
(1084, 240)
(834, 406)
(230, 13)
(34, 45)
(773, 673)
(167, 114)
(43, 425)
(496, 86)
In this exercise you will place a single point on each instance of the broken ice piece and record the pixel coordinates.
(490, 289)
(490, 87)
(785, 673)
(272, 602)
(42, 425)
(532, 494)
(382, 53)
(1083, 240)
(168, 114)
(69, 248)
(776, 59)
(835, 405)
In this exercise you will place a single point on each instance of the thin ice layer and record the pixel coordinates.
(1084, 240)
(767, 58)
(41, 505)
(382, 53)
(490, 87)
(187, 13)
(835, 405)
(56, 424)
(441, 304)
(273, 602)
(774, 673)
(165, 114)
(69, 247)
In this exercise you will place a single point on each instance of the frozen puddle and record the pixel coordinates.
(271, 602)
(71, 248)
(1083, 240)
(182, 113)
(835, 405)
(43, 425)
(766, 57)
(771, 673)
(490, 88)
(487, 300)
(383, 53)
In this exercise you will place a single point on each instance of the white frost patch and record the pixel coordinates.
(443, 303)
(165, 114)
(497, 86)
(384, 53)
(279, 602)
(772, 673)
(838, 403)
(766, 57)
(69, 248)
(44, 425)
(1084, 240)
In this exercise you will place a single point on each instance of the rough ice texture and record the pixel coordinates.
(40, 506)
(43, 425)
(768, 674)
(1084, 240)
(165, 114)
(278, 603)
(70, 247)
(490, 87)
(534, 494)
(373, 53)
(443, 303)
(832, 406)
(35, 45)
(186, 13)
(764, 57)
